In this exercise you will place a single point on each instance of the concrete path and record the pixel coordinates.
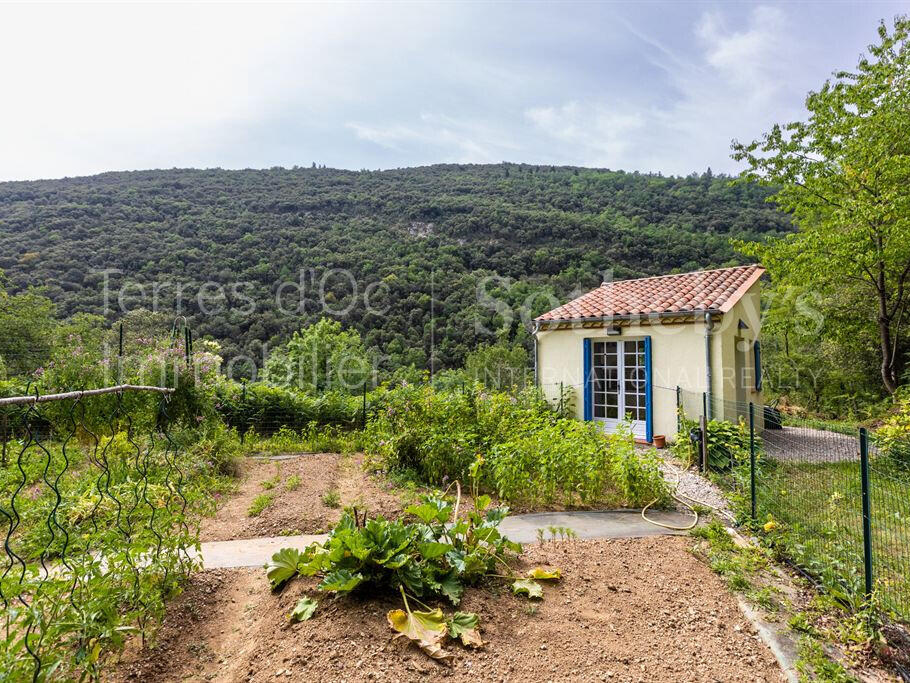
(255, 552)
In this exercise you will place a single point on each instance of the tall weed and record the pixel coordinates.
(529, 453)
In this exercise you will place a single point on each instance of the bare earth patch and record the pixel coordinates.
(299, 509)
(626, 610)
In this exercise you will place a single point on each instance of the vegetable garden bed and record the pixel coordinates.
(625, 610)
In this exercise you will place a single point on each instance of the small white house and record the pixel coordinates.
(625, 347)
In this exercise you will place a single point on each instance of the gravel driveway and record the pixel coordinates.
(805, 444)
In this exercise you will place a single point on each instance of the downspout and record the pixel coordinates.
(709, 375)
(534, 333)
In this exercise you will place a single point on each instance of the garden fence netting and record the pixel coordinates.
(805, 491)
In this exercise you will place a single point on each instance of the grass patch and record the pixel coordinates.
(311, 439)
(812, 514)
(815, 665)
(293, 483)
(260, 503)
(331, 499)
(735, 564)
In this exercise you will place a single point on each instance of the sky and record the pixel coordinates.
(647, 86)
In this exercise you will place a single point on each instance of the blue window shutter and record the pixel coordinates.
(649, 404)
(586, 363)
(756, 348)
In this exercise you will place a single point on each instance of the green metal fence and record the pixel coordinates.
(826, 496)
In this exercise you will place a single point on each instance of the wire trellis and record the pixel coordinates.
(94, 519)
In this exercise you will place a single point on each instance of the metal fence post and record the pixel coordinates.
(867, 511)
(752, 456)
(703, 424)
(678, 414)
(560, 399)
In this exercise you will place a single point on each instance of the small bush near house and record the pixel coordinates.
(728, 443)
(515, 446)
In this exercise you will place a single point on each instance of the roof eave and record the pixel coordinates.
(633, 316)
(742, 289)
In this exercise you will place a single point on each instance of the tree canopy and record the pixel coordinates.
(843, 175)
(450, 253)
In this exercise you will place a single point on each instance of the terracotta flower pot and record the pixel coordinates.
(660, 441)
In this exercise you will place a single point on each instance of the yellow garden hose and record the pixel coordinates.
(681, 501)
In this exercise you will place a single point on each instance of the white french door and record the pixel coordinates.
(619, 384)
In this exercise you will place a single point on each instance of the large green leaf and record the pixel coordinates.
(426, 513)
(282, 567)
(529, 587)
(456, 559)
(451, 587)
(303, 610)
(431, 551)
(357, 545)
(426, 629)
(341, 581)
(464, 626)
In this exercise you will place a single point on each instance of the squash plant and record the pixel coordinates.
(434, 555)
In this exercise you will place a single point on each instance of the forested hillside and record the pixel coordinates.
(430, 235)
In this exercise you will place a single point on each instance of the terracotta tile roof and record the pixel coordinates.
(704, 290)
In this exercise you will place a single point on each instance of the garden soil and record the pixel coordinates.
(303, 509)
(626, 610)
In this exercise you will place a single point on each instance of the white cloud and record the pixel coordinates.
(594, 131)
(452, 139)
(730, 89)
(89, 88)
(750, 59)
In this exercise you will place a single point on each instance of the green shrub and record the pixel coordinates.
(527, 452)
(893, 437)
(312, 438)
(728, 443)
(266, 409)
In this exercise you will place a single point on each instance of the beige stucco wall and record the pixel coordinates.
(677, 359)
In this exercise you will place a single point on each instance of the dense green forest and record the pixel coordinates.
(420, 244)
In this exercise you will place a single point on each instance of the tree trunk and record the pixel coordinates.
(889, 376)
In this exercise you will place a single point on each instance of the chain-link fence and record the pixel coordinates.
(827, 497)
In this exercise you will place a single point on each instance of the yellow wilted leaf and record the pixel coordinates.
(541, 573)
(427, 629)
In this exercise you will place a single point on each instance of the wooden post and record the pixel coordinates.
(3, 435)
